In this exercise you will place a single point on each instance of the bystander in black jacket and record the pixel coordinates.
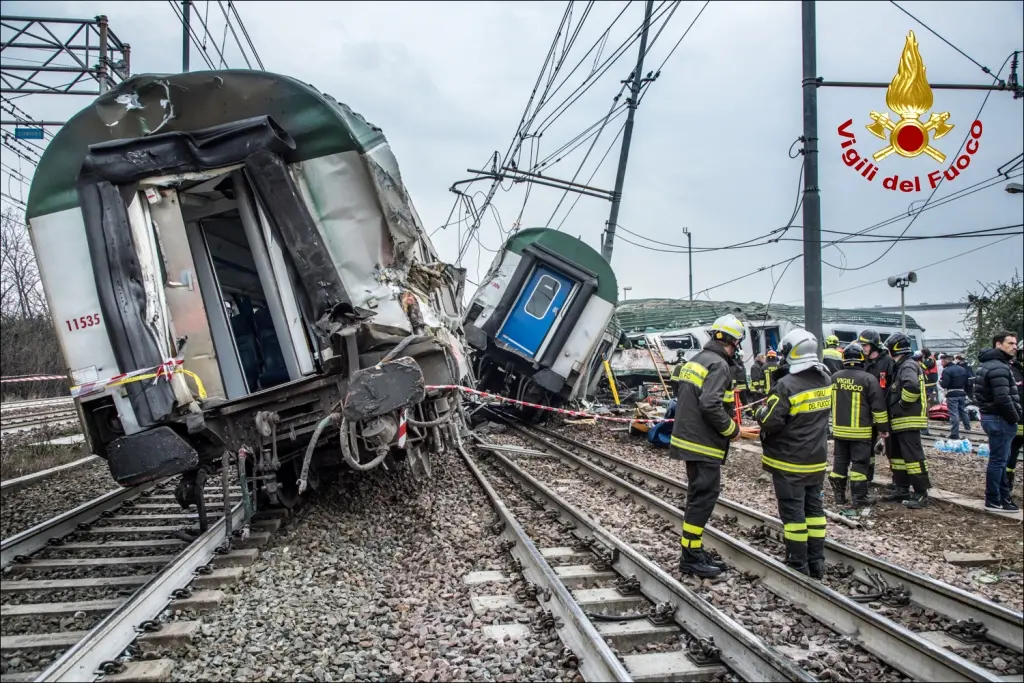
(995, 390)
(954, 380)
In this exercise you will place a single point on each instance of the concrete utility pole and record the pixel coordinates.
(812, 196)
(186, 7)
(608, 241)
(689, 255)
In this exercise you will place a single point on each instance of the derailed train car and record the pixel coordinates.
(234, 266)
(538, 324)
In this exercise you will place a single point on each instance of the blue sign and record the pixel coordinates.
(28, 133)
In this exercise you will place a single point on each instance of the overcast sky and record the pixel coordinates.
(448, 83)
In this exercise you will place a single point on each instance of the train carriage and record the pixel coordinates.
(233, 263)
(538, 323)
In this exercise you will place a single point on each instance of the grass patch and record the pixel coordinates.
(19, 457)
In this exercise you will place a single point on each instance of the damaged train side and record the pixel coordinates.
(234, 267)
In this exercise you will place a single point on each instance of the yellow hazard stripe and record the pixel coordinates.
(698, 448)
(880, 417)
(791, 467)
(692, 529)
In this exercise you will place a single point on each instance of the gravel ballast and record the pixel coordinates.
(366, 583)
(26, 507)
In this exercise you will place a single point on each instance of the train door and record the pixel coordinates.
(536, 310)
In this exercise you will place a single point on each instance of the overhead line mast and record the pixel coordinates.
(608, 238)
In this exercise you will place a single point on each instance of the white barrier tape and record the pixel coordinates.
(165, 369)
(33, 378)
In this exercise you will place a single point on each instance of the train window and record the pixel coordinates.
(542, 296)
(845, 337)
(685, 343)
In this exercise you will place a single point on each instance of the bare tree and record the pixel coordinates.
(29, 342)
(21, 293)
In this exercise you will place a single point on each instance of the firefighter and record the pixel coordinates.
(673, 380)
(771, 366)
(739, 379)
(858, 411)
(1017, 370)
(879, 366)
(908, 415)
(757, 389)
(701, 434)
(794, 439)
(833, 356)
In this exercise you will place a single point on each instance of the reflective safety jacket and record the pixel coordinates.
(881, 368)
(739, 377)
(833, 359)
(794, 426)
(704, 421)
(770, 368)
(905, 398)
(858, 403)
(757, 377)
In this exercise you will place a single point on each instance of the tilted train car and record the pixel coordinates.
(538, 324)
(234, 266)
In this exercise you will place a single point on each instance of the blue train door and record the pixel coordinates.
(535, 310)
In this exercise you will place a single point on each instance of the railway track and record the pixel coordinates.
(886, 597)
(641, 607)
(14, 418)
(82, 587)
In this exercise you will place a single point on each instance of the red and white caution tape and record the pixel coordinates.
(561, 411)
(33, 378)
(164, 370)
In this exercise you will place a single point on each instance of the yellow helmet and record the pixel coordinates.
(728, 328)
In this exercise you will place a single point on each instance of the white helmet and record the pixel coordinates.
(728, 328)
(799, 348)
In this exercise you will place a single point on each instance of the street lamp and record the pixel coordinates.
(903, 281)
(689, 253)
(1014, 188)
(624, 290)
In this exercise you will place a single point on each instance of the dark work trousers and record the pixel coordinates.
(871, 462)
(852, 460)
(703, 484)
(907, 454)
(803, 518)
(897, 467)
(1011, 465)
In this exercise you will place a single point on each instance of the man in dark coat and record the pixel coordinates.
(999, 401)
(954, 382)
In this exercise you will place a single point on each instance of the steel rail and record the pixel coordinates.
(37, 537)
(111, 636)
(1005, 626)
(10, 485)
(889, 641)
(597, 662)
(744, 653)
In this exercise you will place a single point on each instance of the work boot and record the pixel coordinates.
(859, 494)
(898, 494)
(838, 489)
(916, 501)
(712, 560)
(816, 558)
(692, 562)
(796, 556)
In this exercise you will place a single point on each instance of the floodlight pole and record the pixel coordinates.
(812, 195)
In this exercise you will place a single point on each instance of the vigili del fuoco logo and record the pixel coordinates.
(910, 97)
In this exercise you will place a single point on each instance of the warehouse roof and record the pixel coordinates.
(660, 315)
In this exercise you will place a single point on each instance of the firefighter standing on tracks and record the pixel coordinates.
(701, 434)
(794, 438)
(908, 415)
(858, 411)
(878, 365)
(832, 357)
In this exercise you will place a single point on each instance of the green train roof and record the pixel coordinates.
(661, 315)
(200, 99)
(575, 251)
